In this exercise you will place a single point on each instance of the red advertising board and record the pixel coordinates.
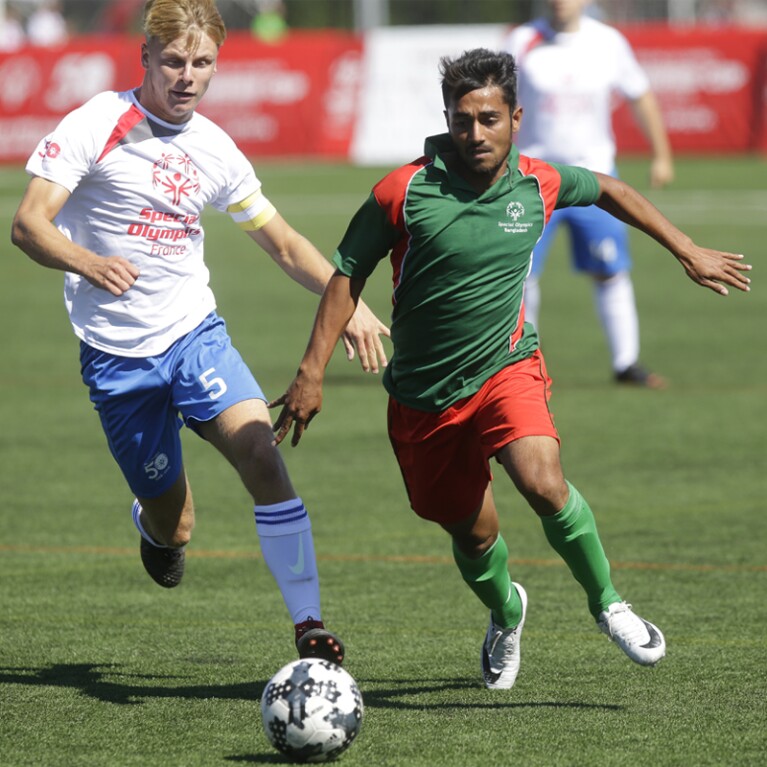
(298, 97)
(707, 82)
(301, 96)
(40, 85)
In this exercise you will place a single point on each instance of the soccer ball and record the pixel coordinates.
(311, 710)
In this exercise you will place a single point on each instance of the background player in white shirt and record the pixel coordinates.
(571, 66)
(129, 174)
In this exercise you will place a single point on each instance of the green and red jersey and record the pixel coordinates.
(460, 260)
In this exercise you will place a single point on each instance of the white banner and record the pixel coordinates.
(401, 99)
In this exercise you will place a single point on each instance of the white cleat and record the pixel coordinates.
(500, 651)
(642, 641)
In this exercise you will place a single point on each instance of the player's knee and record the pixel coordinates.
(474, 545)
(264, 474)
(264, 461)
(545, 491)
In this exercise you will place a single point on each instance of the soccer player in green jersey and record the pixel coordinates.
(467, 381)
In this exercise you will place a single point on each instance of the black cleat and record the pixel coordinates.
(313, 640)
(637, 375)
(166, 566)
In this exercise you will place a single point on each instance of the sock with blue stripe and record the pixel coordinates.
(285, 534)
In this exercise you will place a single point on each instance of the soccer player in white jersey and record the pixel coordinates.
(115, 200)
(571, 67)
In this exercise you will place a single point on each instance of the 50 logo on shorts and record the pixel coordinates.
(158, 467)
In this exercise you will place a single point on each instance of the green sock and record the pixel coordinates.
(572, 533)
(488, 577)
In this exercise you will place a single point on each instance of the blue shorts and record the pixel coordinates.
(600, 243)
(142, 400)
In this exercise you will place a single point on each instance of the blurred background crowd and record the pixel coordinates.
(52, 22)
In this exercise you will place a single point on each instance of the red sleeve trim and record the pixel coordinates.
(532, 43)
(128, 120)
(390, 191)
(548, 178)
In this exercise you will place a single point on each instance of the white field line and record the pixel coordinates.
(747, 208)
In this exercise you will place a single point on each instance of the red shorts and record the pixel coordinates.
(445, 457)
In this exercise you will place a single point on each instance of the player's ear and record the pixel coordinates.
(516, 118)
(447, 118)
(144, 56)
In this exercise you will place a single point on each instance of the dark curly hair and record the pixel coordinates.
(475, 69)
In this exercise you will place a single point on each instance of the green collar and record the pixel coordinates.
(437, 146)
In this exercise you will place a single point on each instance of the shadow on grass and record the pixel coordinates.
(390, 698)
(105, 682)
(387, 697)
(98, 681)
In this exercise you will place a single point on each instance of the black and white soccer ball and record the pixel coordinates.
(311, 710)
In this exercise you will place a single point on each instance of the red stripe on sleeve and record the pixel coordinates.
(127, 121)
(390, 193)
(391, 190)
(533, 42)
(549, 181)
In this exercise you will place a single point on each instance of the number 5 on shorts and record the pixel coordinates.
(216, 386)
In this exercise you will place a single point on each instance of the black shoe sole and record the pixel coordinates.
(165, 566)
(320, 643)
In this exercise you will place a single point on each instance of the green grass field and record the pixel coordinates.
(99, 666)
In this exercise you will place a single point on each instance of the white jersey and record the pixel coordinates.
(138, 187)
(567, 85)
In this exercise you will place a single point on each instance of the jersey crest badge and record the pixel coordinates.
(512, 224)
(176, 176)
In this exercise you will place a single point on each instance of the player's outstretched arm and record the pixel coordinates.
(302, 262)
(34, 232)
(650, 119)
(303, 398)
(709, 268)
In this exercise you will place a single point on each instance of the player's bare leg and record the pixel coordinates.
(243, 434)
(165, 523)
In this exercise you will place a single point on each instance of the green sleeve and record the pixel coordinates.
(579, 186)
(368, 239)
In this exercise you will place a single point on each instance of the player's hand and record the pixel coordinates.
(715, 270)
(661, 172)
(363, 333)
(112, 273)
(300, 403)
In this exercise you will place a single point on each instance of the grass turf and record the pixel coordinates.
(98, 666)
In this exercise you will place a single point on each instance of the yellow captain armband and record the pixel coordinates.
(253, 212)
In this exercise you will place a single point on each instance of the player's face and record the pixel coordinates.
(176, 77)
(565, 14)
(481, 125)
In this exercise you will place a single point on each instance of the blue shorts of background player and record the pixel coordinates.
(144, 401)
(599, 242)
(599, 246)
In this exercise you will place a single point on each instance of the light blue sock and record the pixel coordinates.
(285, 534)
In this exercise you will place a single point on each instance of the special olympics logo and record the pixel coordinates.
(176, 176)
(515, 210)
